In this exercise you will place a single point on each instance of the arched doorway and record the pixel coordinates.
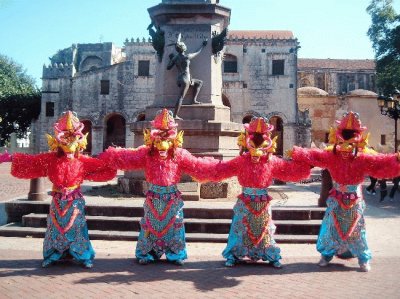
(277, 122)
(88, 129)
(115, 134)
(141, 117)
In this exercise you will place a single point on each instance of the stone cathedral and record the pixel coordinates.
(111, 86)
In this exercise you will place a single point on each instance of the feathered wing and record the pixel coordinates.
(218, 41)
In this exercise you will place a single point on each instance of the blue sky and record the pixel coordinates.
(33, 30)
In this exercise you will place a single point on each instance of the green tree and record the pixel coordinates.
(19, 99)
(384, 34)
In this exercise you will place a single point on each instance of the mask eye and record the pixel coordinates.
(345, 114)
(357, 115)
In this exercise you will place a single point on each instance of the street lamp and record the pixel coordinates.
(390, 106)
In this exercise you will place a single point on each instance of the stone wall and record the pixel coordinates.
(322, 111)
(128, 94)
(254, 90)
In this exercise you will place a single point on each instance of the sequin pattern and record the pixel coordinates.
(67, 231)
(252, 229)
(162, 229)
(343, 227)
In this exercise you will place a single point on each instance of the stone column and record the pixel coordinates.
(97, 139)
(36, 190)
(196, 21)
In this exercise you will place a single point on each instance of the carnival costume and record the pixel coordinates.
(164, 162)
(348, 160)
(66, 168)
(252, 230)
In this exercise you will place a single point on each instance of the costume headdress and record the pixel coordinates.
(257, 137)
(68, 134)
(348, 135)
(163, 134)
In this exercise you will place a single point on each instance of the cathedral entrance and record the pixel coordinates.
(115, 134)
(88, 129)
(277, 122)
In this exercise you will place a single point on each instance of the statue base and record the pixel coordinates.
(203, 136)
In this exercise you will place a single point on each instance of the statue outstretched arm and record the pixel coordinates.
(193, 55)
(172, 60)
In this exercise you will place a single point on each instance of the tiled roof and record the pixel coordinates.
(260, 34)
(343, 64)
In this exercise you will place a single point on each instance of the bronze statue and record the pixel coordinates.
(157, 40)
(218, 41)
(184, 80)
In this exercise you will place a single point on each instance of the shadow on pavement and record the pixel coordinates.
(205, 275)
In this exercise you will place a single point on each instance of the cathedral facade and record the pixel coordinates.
(109, 87)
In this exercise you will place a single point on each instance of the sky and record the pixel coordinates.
(34, 30)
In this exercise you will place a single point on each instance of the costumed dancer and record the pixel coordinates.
(348, 160)
(252, 230)
(164, 161)
(66, 168)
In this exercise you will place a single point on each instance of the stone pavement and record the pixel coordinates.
(11, 187)
(117, 275)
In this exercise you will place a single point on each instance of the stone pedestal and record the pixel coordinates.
(208, 130)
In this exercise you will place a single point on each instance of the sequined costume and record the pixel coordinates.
(348, 160)
(252, 230)
(164, 162)
(67, 231)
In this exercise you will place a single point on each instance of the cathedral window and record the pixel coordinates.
(144, 68)
(230, 64)
(49, 109)
(383, 139)
(278, 67)
(105, 87)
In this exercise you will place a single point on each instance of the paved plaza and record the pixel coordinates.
(117, 275)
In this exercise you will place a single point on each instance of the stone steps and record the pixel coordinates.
(192, 225)
(16, 230)
(16, 209)
(204, 222)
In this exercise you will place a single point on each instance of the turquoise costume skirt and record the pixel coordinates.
(67, 232)
(343, 231)
(252, 229)
(162, 229)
